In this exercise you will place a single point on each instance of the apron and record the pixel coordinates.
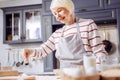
(70, 50)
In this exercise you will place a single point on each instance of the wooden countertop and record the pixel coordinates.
(112, 74)
(30, 78)
(105, 75)
(16, 75)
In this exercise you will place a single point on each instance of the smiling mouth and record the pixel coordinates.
(61, 18)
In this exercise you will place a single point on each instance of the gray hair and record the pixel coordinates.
(68, 4)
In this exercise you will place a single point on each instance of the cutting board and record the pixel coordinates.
(113, 74)
(16, 78)
(29, 78)
(9, 73)
(8, 78)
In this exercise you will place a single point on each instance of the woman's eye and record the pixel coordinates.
(59, 10)
(54, 13)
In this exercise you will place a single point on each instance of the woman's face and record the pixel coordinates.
(62, 15)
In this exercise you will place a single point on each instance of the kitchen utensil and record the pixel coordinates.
(26, 64)
(107, 44)
(14, 62)
(22, 62)
(21, 59)
(8, 58)
(18, 63)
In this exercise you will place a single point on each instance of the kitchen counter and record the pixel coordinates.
(42, 76)
(30, 78)
(105, 75)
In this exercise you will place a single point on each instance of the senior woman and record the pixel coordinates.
(77, 37)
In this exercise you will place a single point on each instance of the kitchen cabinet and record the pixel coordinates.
(80, 5)
(88, 5)
(85, 5)
(118, 24)
(22, 24)
(101, 15)
(49, 61)
(112, 4)
(12, 27)
(46, 6)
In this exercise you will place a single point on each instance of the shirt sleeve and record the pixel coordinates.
(46, 48)
(96, 42)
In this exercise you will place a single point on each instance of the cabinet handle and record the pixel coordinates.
(12, 24)
(82, 10)
(100, 2)
(113, 14)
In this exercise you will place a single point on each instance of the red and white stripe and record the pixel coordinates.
(89, 35)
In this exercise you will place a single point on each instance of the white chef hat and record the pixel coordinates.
(68, 4)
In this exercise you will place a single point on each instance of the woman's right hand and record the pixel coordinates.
(26, 54)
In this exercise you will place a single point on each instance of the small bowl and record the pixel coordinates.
(74, 72)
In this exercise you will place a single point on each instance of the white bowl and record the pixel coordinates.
(74, 72)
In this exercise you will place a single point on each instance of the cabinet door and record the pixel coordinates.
(46, 6)
(80, 5)
(22, 24)
(118, 24)
(12, 26)
(48, 61)
(98, 15)
(112, 3)
(87, 5)
(95, 15)
(32, 28)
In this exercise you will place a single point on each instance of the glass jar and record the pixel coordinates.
(111, 62)
(89, 62)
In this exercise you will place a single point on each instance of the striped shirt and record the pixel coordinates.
(89, 35)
